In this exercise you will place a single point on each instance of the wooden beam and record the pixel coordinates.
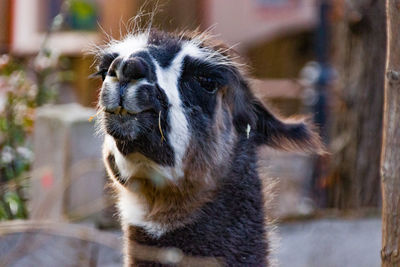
(277, 88)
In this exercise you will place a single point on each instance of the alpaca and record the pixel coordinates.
(181, 128)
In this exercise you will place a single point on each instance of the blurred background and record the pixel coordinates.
(317, 57)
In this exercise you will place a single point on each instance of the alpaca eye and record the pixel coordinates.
(208, 84)
(111, 73)
(102, 73)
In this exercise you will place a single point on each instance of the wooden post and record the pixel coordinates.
(356, 104)
(390, 161)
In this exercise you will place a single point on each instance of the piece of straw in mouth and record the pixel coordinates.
(94, 116)
(159, 126)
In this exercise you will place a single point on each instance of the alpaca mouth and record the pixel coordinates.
(128, 126)
(144, 132)
(123, 112)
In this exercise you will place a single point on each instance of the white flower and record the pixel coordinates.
(25, 153)
(7, 155)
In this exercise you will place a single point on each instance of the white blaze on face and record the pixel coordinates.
(168, 79)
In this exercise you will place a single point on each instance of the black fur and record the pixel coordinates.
(163, 48)
(147, 58)
(231, 227)
(135, 68)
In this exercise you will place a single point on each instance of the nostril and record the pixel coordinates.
(134, 69)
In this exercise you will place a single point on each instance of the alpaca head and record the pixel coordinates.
(176, 105)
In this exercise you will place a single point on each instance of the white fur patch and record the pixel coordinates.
(125, 167)
(132, 212)
(168, 80)
(130, 102)
(135, 163)
(129, 45)
(112, 95)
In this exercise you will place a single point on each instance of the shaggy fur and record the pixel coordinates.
(182, 128)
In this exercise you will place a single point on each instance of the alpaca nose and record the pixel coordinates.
(133, 69)
(134, 91)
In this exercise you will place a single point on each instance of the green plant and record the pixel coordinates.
(16, 121)
(24, 85)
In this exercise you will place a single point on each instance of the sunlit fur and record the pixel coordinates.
(181, 129)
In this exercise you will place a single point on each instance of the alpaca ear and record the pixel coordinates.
(291, 134)
(253, 119)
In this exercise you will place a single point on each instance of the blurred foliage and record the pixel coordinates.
(82, 15)
(24, 85)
